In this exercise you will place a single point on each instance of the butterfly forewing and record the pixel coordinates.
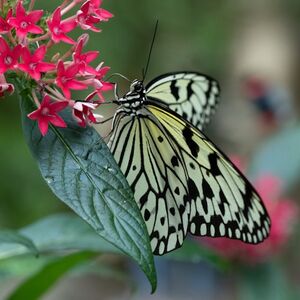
(192, 95)
(181, 181)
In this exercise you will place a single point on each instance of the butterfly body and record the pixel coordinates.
(181, 181)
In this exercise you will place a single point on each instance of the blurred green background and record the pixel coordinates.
(228, 40)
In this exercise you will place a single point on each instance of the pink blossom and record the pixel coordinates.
(101, 13)
(83, 59)
(83, 112)
(90, 14)
(4, 25)
(283, 213)
(33, 64)
(25, 23)
(47, 114)
(59, 28)
(5, 87)
(66, 78)
(100, 85)
(8, 57)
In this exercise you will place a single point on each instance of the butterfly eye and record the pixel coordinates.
(137, 86)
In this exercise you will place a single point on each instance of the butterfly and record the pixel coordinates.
(182, 182)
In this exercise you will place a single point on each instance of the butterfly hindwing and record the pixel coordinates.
(192, 95)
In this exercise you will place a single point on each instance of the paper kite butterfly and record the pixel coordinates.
(181, 181)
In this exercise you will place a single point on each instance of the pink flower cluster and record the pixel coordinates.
(25, 41)
(283, 213)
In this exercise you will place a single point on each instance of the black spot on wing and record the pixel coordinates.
(174, 90)
(192, 188)
(188, 137)
(160, 139)
(213, 161)
(174, 161)
(189, 89)
(209, 87)
(147, 215)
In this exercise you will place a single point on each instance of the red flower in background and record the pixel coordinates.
(66, 78)
(5, 87)
(83, 59)
(100, 85)
(33, 64)
(47, 114)
(101, 13)
(83, 112)
(25, 23)
(4, 25)
(8, 57)
(283, 213)
(59, 29)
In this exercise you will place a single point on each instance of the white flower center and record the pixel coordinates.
(57, 30)
(32, 66)
(45, 111)
(8, 60)
(24, 25)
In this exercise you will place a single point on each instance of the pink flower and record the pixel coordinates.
(5, 87)
(100, 85)
(59, 28)
(90, 14)
(83, 59)
(283, 213)
(47, 114)
(8, 57)
(66, 78)
(33, 64)
(82, 111)
(101, 13)
(25, 23)
(4, 25)
(85, 19)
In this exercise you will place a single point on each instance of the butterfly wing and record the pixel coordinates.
(192, 95)
(182, 182)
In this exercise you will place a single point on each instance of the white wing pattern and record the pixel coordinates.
(182, 182)
(192, 95)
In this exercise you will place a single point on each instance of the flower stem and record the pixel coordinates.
(40, 38)
(11, 38)
(31, 5)
(68, 7)
(57, 96)
(35, 98)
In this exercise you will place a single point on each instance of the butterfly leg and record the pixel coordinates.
(116, 92)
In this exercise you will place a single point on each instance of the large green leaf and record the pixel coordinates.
(194, 252)
(38, 284)
(80, 170)
(64, 231)
(10, 237)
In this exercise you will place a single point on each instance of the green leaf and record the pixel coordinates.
(193, 252)
(81, 171)
(64, 231)
(13, 237)
(38, 284)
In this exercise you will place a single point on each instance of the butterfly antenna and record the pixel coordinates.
(150, 52)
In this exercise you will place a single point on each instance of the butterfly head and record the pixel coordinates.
(137, 86)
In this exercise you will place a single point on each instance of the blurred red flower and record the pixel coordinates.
(24, 23)
(47, 114)
(59, 28)
(33, 63)
(283, 213)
